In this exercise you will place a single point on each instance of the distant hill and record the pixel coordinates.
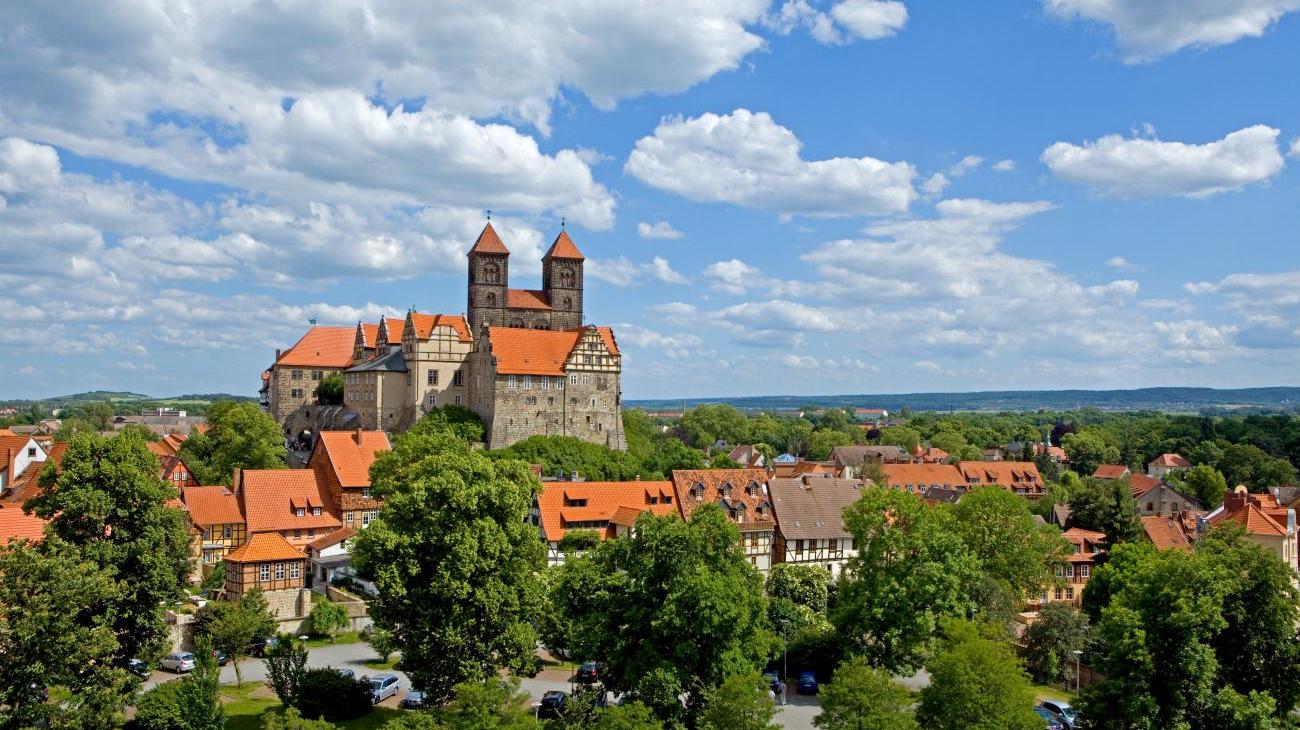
(117, 396)
(1159, 399)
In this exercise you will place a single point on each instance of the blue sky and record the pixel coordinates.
(785, 197)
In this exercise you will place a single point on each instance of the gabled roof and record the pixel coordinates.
(1004, 473)
(563, 248)
(489, 242)
(331, 539)
(1254, 519)
(812, 508)
(369, 334)
(519, 351)
(1111, 471)
(617, 502)
(270, 496)
(389, 362)
(527, 299)
(211, 506)
(1166, 533)
(735, 482)
(903, 476)
(1140, 484)
(392, 328)
(350, 454)
(856, 455)
(424, 325)
(323, 347)
(17, 525)
(1172, 461)
(264, 547)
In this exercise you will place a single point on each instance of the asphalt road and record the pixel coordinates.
(797, 714)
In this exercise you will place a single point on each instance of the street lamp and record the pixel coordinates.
(1078, 654)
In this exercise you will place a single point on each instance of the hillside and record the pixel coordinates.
(1173, 399)
(124, 397)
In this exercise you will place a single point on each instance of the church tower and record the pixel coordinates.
(562, 282)
(489, 280)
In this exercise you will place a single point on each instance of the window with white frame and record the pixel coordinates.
(528, 382)
(295, 570)
(510, 382)
(264, 572)
(279, 571)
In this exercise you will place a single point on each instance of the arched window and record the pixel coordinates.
(491, 274)
(566, 277)
(490, 299)
(568, 303)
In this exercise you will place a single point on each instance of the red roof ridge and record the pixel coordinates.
(563, 248)
(489, 242)
(264, 546)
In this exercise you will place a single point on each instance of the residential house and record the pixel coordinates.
(1073, 574)
(1264, 521)
(993, 454)
(850, 461)
(1020, 477)
(810, 521)
(743, 495)
(609, 508)
(267, 561)
(1158, 497)
(930, 455)
(294, 503)
(341, 460)
(217, 523)
(1168, 532)
(174, 471)
(18, 455)
(330, 557)
(1160, 467)
(918, 478)
(1055, 453)
(747, 457)
(1111, 472)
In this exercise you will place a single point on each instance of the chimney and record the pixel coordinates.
(356, 436)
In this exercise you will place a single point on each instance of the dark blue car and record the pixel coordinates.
(807, 684)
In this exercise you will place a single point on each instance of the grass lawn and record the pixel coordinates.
(245, 713)
(389, 665)
(351, 637)
(1053, 692)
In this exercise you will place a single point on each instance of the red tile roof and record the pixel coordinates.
(930, 454)
(1256, 520)
(1111, 471)
(17, 525)
(1172, 461)
(264, 547)
(211, 506)
(270, 497)
(322, 347)
(915, 476)
(619, 503)
(1166, 533)
(538, 352)
(736, 487)
(489, 242)
(527, 299)
(369, 334)
(1140, 484)
(1009, 474)
(563, 248)
(425, 323)
(351, 453)
(392, 329)
(331, 539)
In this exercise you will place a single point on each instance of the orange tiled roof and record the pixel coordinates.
(607, 335)
(1166, 533)
(489, 242)
(270, 497)
(563, 248)
(211, 506)
(915, 476)
(264, 547)
(1140, 484)
(322, 347)
(369, 334)
(1256, 520)
(351, 453)
(392, 328)
(802, 468)
(537, 352)
(331, 539)
(159, 449)
(527, 299)
(930, 454)
(1010, 474)
(1172, 461)
(714, 482)
(17, 525)
(605, 502)
(1111, 471)
(425, 323)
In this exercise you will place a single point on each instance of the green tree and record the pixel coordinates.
(903, 437)
(456, 420)
(629, 716)
(488, 704)
(451, 534)
(70, 428)
(806, 585)
(1089, 449)
(327, 619)
(912, 569)
(1250, 465)
(330, 390)
(163, 707)
(579, 541)
(667, 454)
(821, 443)
(381, 640)
(862, 697)
(1106, 507)
(673, 609)
(572, 455)
(234, 625)
(1000, 532)
(741, 702)
(291, 719)
(202, 691)
(1203, 482)
(949, 440)
(286, 665)
(108, 501)
(706, 424)
(241, 436)
(54, 631)
(976, 683)
(1050, 643)
(99, 414)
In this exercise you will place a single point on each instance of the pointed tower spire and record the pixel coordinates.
(489, 242)
(563, 248)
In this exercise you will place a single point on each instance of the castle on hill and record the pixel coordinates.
(522, 359)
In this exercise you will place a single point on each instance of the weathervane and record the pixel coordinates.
(489, 213)
(561, 221)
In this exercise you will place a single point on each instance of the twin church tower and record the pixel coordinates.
(556, 306)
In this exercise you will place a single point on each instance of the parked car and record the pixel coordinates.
(383, 686)
(138, 668)
(772, 678)
(590, 672)
(413, 700)
(220, 656)
(345, 672)
(1049, 719)
(552, 705)
(262, 645)
(181, 661)
(1063, 711)
(807, 684)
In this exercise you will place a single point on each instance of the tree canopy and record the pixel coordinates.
(862, 697)
(976, 683)
(1000, 532)
(240, 436)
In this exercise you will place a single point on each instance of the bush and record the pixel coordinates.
(324, 693)
(161, 708)
(327, 618)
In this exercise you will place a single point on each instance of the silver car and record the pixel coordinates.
(181, 661)
(382, 687)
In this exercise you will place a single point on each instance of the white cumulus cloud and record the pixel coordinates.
(658, 229)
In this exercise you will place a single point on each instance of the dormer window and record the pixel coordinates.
(738, 514)
(725, 489)
(667, 499)
(752, 489)
(697, 491)
(315, 511)
(299, 512)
